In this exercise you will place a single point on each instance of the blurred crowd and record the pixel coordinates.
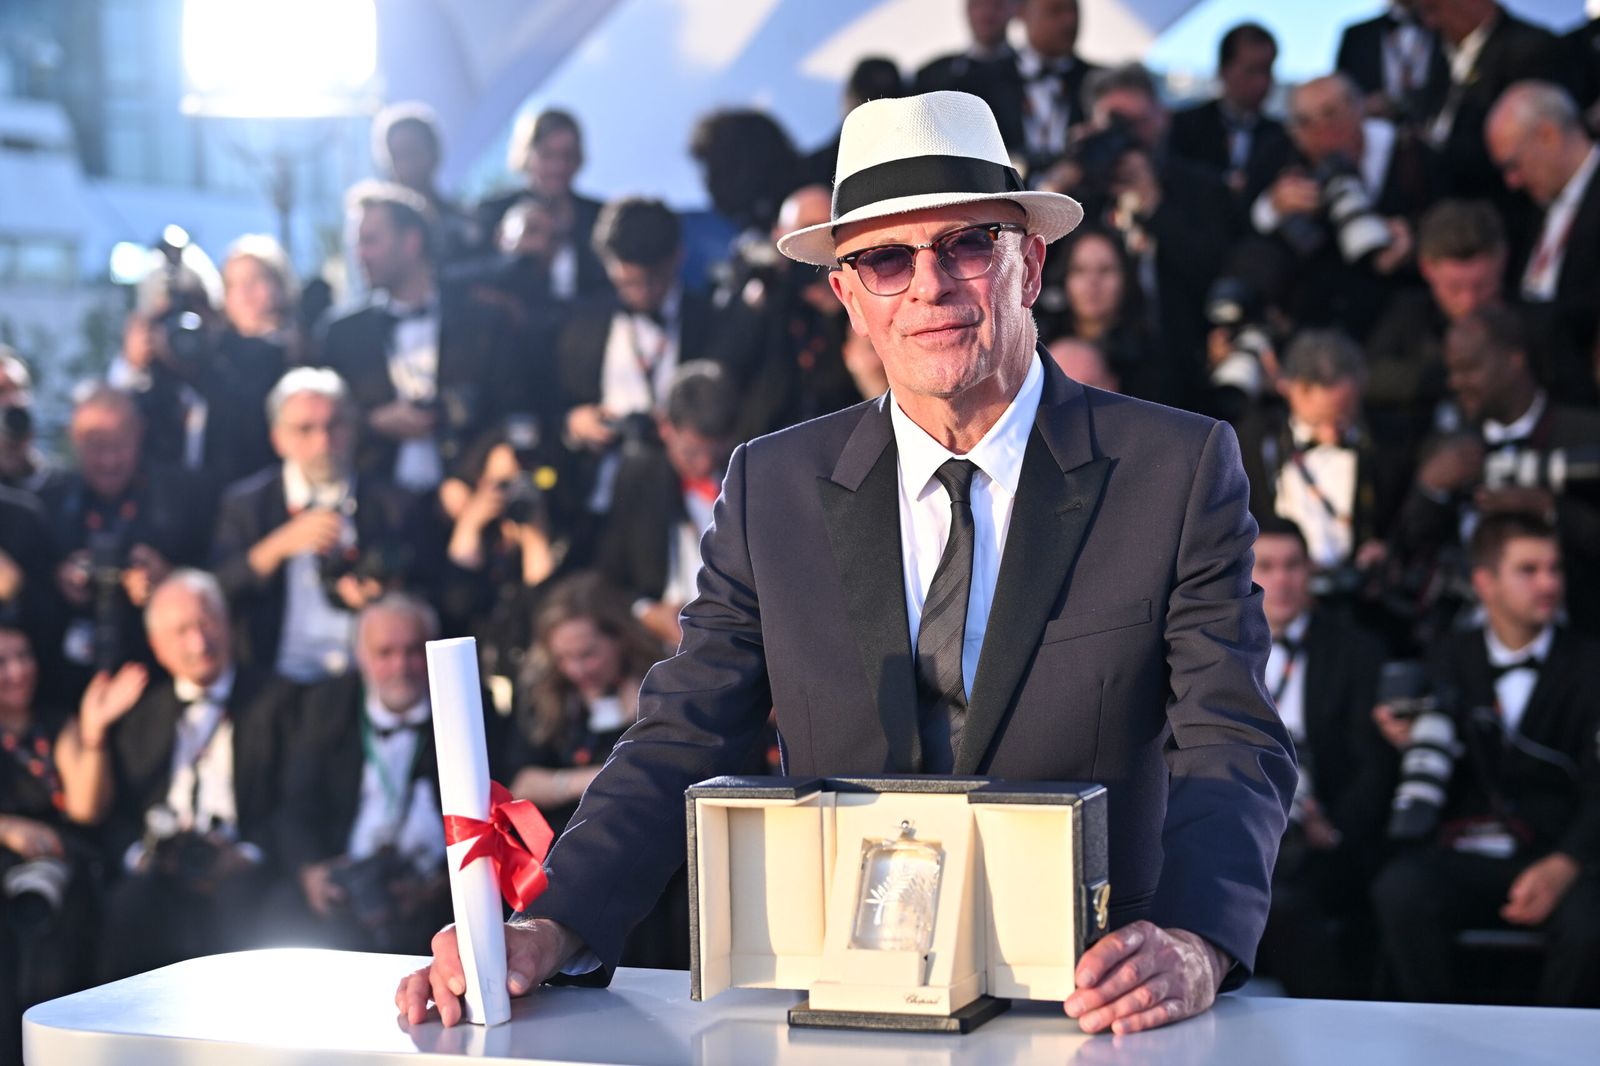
(214, 718)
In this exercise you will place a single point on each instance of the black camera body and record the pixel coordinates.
(1557, 471)
(1428, 761)
(183, 325)
(1097, 156)
(1347, 211)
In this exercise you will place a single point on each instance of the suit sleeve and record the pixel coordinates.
(1231, 762)
(235, 535)
(701, 714)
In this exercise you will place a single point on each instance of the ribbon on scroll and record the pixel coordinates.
(515, 838)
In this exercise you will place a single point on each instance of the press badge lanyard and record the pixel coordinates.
(1292, 655)
(648, 362)
(1298, 458)
(396, 799)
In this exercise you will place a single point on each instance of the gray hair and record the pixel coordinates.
(1530, 102)
(1347, 89)
(200, 582)
(402, 603)
(319, 380)
(1324, 357)
(1130, 77)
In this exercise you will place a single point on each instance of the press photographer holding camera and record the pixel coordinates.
(187, 783)
(302, 546)
(1344, 206)
(1519, 830)
(1524, 451)
(118, 525)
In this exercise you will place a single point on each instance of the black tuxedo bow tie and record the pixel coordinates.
(1531, 662)
(384, 732)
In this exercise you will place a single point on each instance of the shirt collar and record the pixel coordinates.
(1578, 184)
(217, 692)
(1030, 64)
(1500, 655)
(998, 454)
(383, 718)
(1521, 429)
(1295, 631)
(1464, 56)
(299, 493)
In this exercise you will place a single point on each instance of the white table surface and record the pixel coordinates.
(274, 1008)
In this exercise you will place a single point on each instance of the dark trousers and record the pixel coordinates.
(1425, 898)
(154, 920)
(1319, 940)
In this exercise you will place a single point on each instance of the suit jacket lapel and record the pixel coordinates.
(1056, 499)
(861, 505)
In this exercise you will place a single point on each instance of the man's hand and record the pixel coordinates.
(1514, 499)
(1295, 194)
(11, 578)
(534, 952)
(661, 619)
(402, 420)
(356, 592)
(1538, 889)
(1397, 731)
(28, 838)
(1136, 186)
(1400, 247)
(107, 698)
(322, 893)
(72, 578)
(1142, 976)
(1453, 467)
(146, 569)
(316, 529)
(587, 425)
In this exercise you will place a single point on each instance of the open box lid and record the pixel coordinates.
(759, 911)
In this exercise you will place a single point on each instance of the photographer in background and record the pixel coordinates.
(302, 546)
(1519, 834)
(22, 465)
(118, 525)
(1344, 206)
(361, 830)
(649, 546)
(1504, 461)
(1323, 676)
(187, 781)
(1312, 461)
(407, 149)
(259, 341)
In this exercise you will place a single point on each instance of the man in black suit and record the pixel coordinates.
(187, 780)
(360, 830)
(649, 545)
(1397, 62)
(302, 546)
(1474, 473)
(1518, 837)
(1537, 139)
(1231, 134)
(1461, 254)
(1038, 97)
(429, 366)
(118, 525)
(855, 560)
(1345, 273)
(1487, 48)
(1315, 464)
(616, 357)
(966, 71)
(1323, 676)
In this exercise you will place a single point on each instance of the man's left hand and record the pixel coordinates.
(1143, 976)
(1537, 890)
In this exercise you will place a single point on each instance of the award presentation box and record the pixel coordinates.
(790, 880)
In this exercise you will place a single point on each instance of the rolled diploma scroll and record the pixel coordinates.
(464, 790)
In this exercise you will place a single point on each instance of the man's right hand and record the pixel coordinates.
(316, 529)
(1396, 730)
(1453, 467)
(323, 893)
(534, 952)
(589, 425)
(1295, 194)
(402, 420)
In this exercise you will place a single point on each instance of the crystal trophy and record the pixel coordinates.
(898, 893)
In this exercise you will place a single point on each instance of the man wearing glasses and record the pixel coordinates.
(988, 570)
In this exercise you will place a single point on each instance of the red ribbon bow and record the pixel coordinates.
(516, 839)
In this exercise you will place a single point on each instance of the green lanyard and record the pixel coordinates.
(393, 791)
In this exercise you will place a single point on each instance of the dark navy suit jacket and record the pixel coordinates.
(1125, 646)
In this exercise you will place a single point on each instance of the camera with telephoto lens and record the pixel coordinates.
(526, 503)
(16, 423)
(182, 325)
(108, 558)
(377, 562)
(1558, 471)
(1233, 305)
(34, 890)
(368, 898)
(1429, 759)
(1347, 210)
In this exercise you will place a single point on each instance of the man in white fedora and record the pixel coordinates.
(991, 569)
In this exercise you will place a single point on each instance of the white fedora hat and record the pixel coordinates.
(931, 150)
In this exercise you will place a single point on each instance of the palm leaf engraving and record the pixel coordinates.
(907, 886)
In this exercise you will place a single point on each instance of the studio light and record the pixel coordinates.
(279, 59)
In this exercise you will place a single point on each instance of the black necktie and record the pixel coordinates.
(941, 695)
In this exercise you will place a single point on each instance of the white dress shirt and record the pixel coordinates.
(395, 810)
(1407, 54)
(640, 358)
(1513, 690)
(414, 372)
(683, 552)
(1543, 274)
(1049, 112)
(1288, 679)
(1332, 470)
(925, 508)
(317, 636)
(200, 793)
(1463, 60)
